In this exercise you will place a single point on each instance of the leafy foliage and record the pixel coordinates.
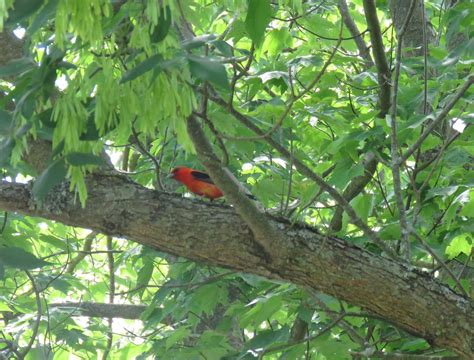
(120, 78)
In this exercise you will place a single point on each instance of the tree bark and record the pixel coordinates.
(215, 234)
(413, 37)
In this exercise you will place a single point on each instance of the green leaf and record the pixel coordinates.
(331, 347)
(276, 41)
(46, 13)
(258, 17)
(460, 244)
(53, 241)
(198, 41)
(163, 27)
(91, 132)
(262, 311)
(153, 62)
(208, 70)
(3, 299)
(5, 121)
(53, 175)
(18, 258)
(21, 10)
(268, 338)
(144, 274)
(363, 205)
(177, 335)
(206, 298)
(6, 147)
(80, 159)
(40, 353)
(2, 271)
(16, 67)
(71, 336)
(468, 208)
(224, 48)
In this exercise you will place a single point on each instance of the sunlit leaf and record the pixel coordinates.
(153, 62)
(80, 159)
(20, 259)
(208, 70)
(258, 17)
(163, 27)
(49, 178)
(21, 10)
(16, 67)
(460, 244)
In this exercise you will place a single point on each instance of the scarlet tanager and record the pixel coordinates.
(197, 182)
(200, 183)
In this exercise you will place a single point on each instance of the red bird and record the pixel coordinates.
(197, 182)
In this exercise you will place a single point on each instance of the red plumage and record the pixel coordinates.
(197, 182)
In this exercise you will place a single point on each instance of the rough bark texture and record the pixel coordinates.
(413, 37)
(11, 47)
(102, 310)
(364, 51)
(378, 51)
(215, 234)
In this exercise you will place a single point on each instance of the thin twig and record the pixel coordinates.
(425, 60)
(295, 98)
(86, 249)
(306, 171)
(111, 264)
(5, 220)
(145, 152)
(290, 180)
(36, 326)
(395, 166)
(440, 261)
(217, 135)
(435, 122)
(190, 285)
(310, 338)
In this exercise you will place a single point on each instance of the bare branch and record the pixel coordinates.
(352, 27)
(39, 312)
(378, 51)
(87, 247)
(395, 165)
(91, 309)
(245, 207)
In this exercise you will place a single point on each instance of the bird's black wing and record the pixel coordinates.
(198, 175)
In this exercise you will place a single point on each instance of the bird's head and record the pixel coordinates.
(176, 172)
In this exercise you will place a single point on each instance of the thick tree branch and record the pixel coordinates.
(306, 171)
(352, 27)
(265, 234)
(11, 47)
(378, 50)
(215, 234)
